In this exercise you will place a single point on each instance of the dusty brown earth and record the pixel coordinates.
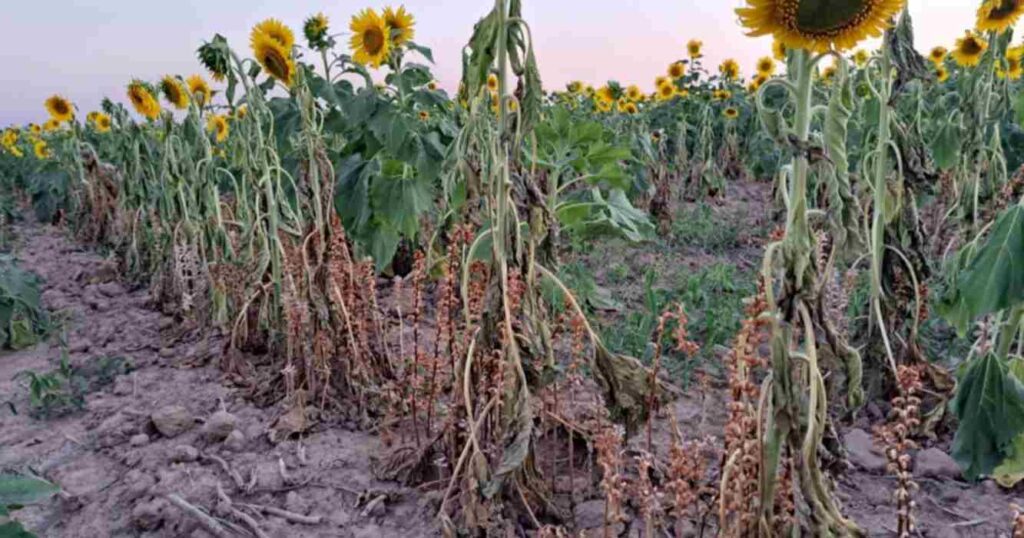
(174, 427)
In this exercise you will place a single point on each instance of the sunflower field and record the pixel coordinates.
(439, 266)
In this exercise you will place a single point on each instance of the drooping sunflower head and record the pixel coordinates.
(275, 58)
(492, 83)
(41, 150)
(731, 113)
(766, 66)
(315, 30)
(999, 15)
(633, 93)
(779, 50)
(199, 90)
(241, 112)
(91, 117)
(142, 100)
(694, 47)
(941, 73)
(861, 57)
(730, 70)
(401, 23)
(51, 125)
(174, 92)
(574, 87)
(969, 50)
(214, 57)
(102, 122)
(819, 25)
(59, 108)
(217, 124)
(676, 70)
(938, 55)
(371, 38)
(630, 108)
(276, 30)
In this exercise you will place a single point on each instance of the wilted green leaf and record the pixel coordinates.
(990, 407)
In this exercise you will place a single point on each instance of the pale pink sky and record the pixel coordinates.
(87, 51)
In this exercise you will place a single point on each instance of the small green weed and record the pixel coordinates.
(700, 227)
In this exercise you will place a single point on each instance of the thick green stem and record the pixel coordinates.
(881, 172)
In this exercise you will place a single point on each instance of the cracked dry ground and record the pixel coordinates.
(117, 466)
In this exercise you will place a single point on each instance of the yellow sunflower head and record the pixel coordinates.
(666, 91)
(218, 125)
(492, 83)
(315, 30)
(59, 108)
(424, 115)
(91, 117)
(276, 30)
(676, 70)
(633, 93)
(275, 58)
(401, 23)
(941, 73)
(756, 83)
(693, 48)
(603, 106)
(143, 101)
(241, 112)
(574, 87)
(658, 81)
(10, 137)
(731, 113)
(41, 150)
(200, 90)
(1013, 69)
(969, 50)
(174, 92)
(779, 50)
(938, 55)
(630, 108)
(432, 85)
(51, 125)
(999, 15)
(828, 75)
(102, 122)
(721, 95)
(861, 57)
(730, 70)
(371, 38)
(606, 94)
(766, 66)
(819, 25)
(34, 128)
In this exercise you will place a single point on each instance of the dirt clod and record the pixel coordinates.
(172, 420)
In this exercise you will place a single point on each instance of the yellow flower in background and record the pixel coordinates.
(200, 90)
(315, 30)
(766, 66)
(731, 113)
(1013, 69)
(999, 15)
(779, 50)
(218, 125)
(693, 48)
(630, 108)
(275, 30)
(938, 55)
(371, 38)
(41, 150)
(861, 57)
(275, 58)
(941, 73)
(241, 112)
(59, 108)
(51, 125)
(143, 101)
(969, 49)
(828, 75)
(683, 93)
(174, 92)
(492, 83)
(432, 85)
(35, 128)
(102, 122)
(658, 81)
(818, 25)
(603, 106)
(721, 95)
(424, 115)
(676, 70)
(10, 138)
(756, 83)
(730, 70)
(91, 117)
(401, 23)
(633, 93)
(605, 94)
(574, 87)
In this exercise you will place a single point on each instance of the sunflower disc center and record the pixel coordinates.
(821, 16)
